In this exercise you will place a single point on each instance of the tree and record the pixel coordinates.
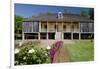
(91, 13)
(84, 12)
(67, 11)
(18, 25)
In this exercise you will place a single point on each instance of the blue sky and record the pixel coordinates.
(28, 10)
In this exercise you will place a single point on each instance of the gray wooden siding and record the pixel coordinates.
(35, 27)
(30, 27)
(27, 26)
(87, 27)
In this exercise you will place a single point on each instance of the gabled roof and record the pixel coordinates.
(53, 17)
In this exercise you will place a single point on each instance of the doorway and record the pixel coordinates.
(58, 36)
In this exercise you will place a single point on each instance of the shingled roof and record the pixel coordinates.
(53, 17)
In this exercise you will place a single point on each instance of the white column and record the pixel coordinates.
(40, 26)
(38, 35)
(62, 31)
(56, 32)
(79, 31)
(23, 35)
(47, 26)
(23, 32)
(72, 35)
(56, 26)
(47, 35)
(32, 26)
(47, 30)
(71, 31)
(39, 30)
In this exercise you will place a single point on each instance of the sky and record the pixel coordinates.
(28, 10)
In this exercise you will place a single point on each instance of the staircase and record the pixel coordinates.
(58, 35)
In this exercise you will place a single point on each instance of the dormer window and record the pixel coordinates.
(60, 15)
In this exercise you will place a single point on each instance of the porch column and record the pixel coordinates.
(71, 31)
(47, 26)
(47, 36)
(79, 31)
(39, 35)
(39, 30)
(62, 31)
(72, 35)
(56, 27)
(40, 26)
(47, 30)
(23, 38)
(23, 31)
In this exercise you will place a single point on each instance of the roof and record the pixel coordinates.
(53, 17)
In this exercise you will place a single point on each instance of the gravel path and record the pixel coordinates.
(61, 55)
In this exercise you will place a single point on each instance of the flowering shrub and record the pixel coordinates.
(55, 48)
(31, 55)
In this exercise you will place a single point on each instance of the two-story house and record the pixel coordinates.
(58, 26)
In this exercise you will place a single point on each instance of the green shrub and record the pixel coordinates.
(31, 55)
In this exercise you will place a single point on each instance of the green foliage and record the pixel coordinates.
(18, 23)
(66, 11)
(84, 12)
(18, 26)
(31, 55)
(91, 13)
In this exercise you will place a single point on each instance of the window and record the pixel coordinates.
(55, 26)
(67, 35)
(45, 26)
(87, 27)
(60, 15)
(27, 26)
(35, 26)
(31, 35)
(72, 27)
(51, 35)
(64, 26)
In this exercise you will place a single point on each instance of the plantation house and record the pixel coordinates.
(57, 26)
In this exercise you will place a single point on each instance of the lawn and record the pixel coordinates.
(82, 50)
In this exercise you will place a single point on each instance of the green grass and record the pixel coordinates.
(82, 50)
